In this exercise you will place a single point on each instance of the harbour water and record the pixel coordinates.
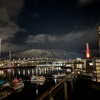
(31, 90)
(83, 89)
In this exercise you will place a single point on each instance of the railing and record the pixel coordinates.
(60, 90)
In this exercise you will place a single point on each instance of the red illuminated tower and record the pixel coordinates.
(89, 62)
(87, 51)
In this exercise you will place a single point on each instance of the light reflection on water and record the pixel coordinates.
(31, 89)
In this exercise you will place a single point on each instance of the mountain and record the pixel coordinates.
(53, 53)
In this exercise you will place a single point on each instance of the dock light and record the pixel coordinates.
(91, 64)
(78, 72)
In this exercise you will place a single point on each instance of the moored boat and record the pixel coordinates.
(17, 84)
(59, 75)
(37, 79)
(5, 90)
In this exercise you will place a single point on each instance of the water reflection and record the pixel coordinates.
(9, 74)
(26, 73)
(1, 72)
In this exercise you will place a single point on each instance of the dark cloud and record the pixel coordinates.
(85, 2)
(9, 10)
(64, 24)
(12, 7)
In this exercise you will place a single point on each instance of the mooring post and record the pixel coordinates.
(50, 97)
(80, 75)
(74, 78)
(65, 91)
(76, 75)
(71, 82)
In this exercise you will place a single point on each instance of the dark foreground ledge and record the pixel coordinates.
(85, 90)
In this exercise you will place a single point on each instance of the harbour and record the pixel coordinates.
(31, 90)
(46, 78)
(49, 50)
(57, 76)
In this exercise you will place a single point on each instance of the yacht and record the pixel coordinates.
(17, 84)
(37, 79)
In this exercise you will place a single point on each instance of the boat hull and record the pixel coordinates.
(6, 93)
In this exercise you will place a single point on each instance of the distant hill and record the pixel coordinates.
(53, 53)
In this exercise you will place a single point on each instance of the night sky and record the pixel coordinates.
(49, 24)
